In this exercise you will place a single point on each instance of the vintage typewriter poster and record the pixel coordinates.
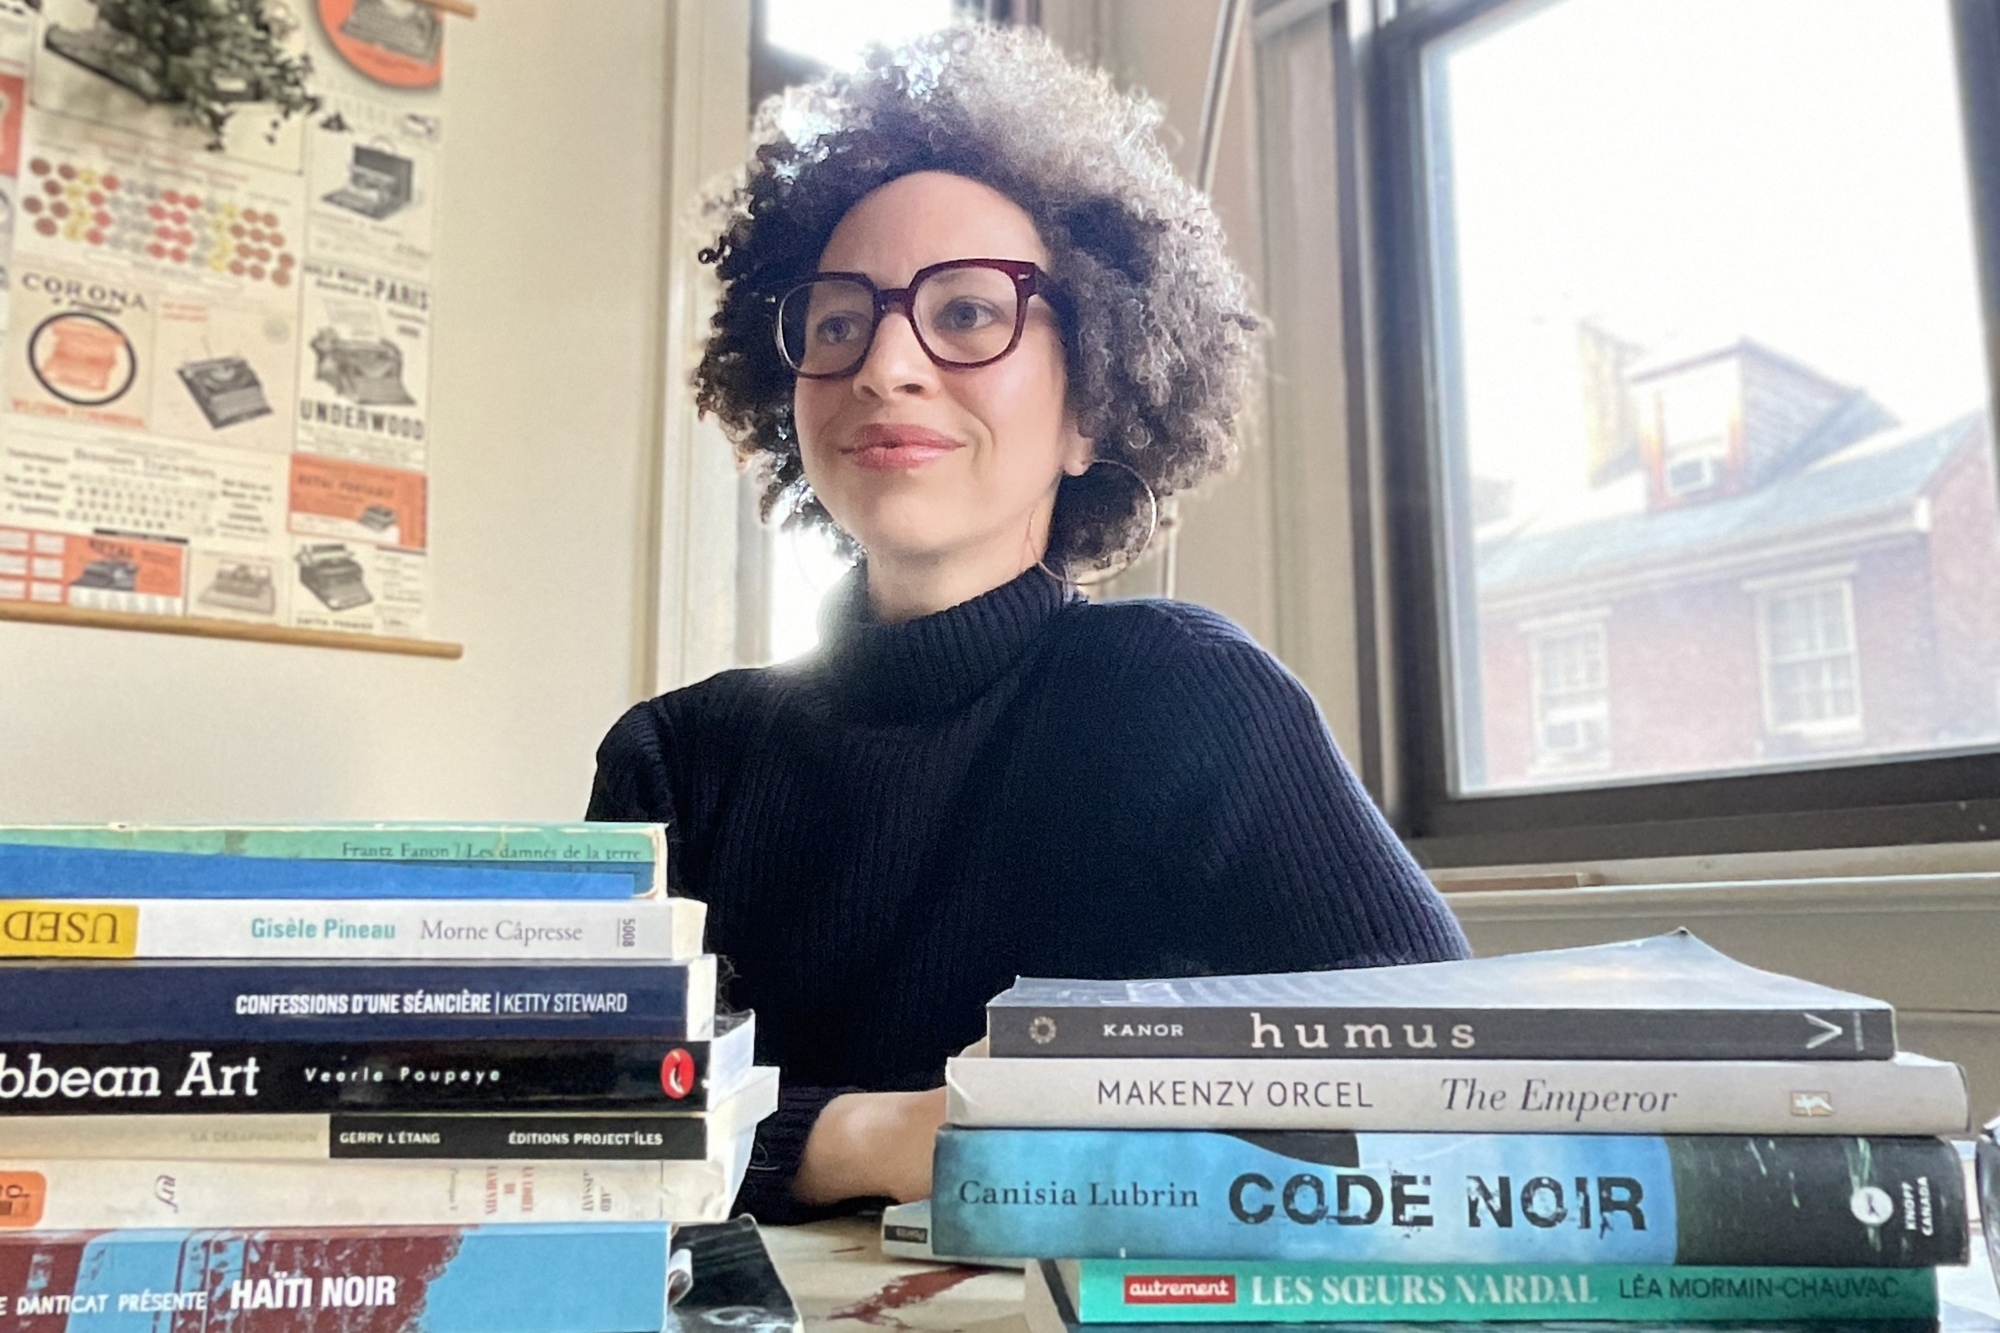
(355, 586)
(331, 497)
(215, 364)
(364, 365)
(160, 498)
(99, 573)
(85, 71)
(371, 175)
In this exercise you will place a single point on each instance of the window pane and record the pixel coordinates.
(1710, 375)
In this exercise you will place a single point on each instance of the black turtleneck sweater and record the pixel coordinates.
(891, 829)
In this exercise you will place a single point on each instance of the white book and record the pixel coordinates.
(57, 1194)
(530, 929)
(1906, 1095)
(360, 1134)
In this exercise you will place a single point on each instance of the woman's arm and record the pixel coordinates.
(1279, 858)
(870, 1145)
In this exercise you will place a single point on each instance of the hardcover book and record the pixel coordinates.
(437, 1279)
(1136, 1291)
(553, 1074)
(1666, 998)
(1906, 1095)
(658, 929)
(1710, 1200)
(478, 1135)
(333, 861)
(338, 1000)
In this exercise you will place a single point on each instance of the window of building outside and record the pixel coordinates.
(1572, 700)
(1706, 318)
(804, 566)
(1812, 687)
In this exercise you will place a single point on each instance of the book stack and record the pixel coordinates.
(468, 1076)
(1646, 1132)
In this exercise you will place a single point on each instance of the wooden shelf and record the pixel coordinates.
(209, 627)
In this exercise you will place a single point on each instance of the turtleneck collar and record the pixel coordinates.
(935, 663)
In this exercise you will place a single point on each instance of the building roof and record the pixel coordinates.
(1882, 471)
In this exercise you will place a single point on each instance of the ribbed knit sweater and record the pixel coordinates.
(890, 829)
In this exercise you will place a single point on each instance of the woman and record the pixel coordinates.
(972, 321)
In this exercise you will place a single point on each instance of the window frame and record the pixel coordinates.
(1840, 801)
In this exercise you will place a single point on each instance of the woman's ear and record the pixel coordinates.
(1076, 452)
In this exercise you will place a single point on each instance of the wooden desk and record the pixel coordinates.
(841, 1282)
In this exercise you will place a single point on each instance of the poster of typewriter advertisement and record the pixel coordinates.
(364, 365)
(332, 497)
(90, 69)
(351, 585)
(214, 362)
(370, 185)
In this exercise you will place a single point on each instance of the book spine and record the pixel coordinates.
(1450, 1198)
(57, 1194)
(80, 872)
(592, 1135)
(438, 1279)
(1280, 1033)
(661, 929)
(179, 1077)
(1208, 1292)
(321, 1002)
(498, 845)
(1491, 1096)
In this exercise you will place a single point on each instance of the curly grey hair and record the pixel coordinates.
(1156, 321)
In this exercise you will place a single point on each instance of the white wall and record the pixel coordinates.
(545, 383)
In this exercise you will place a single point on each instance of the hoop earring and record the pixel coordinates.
(1152, 531)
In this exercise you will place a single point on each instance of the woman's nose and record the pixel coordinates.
(896, 362)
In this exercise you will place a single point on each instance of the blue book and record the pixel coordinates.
(44, 1000)
(334, 860)
(578, 1278)
(1808, 1201)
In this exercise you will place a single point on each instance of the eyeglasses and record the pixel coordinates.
(966, 313)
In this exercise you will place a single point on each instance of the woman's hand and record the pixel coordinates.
(870, 1144)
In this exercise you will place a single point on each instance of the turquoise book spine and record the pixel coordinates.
(1708, 1200)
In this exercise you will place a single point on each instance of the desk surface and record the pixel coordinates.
(843, 1284)
(840, 1280)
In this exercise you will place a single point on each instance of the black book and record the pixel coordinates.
(736, 1286)
(267, 1077)
(1670, 997)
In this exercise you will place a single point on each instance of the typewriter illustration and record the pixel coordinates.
(378, 518)
(242, 588)
(332, 574)
(78, 356)
(368, 371)
(225, 389)
(404, 26)
(111, 575)
(378, 183)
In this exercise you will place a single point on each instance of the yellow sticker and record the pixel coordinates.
(68, 930)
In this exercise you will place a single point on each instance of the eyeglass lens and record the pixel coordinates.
(963, 317)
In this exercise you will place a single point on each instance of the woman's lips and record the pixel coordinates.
(897, 448)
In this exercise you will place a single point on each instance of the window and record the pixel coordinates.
(795, 41)
(1657, 332)
(1572, 699)
(1811, 671)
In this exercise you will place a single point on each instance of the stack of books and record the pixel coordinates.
(1638, 1132)
(469, 1073)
